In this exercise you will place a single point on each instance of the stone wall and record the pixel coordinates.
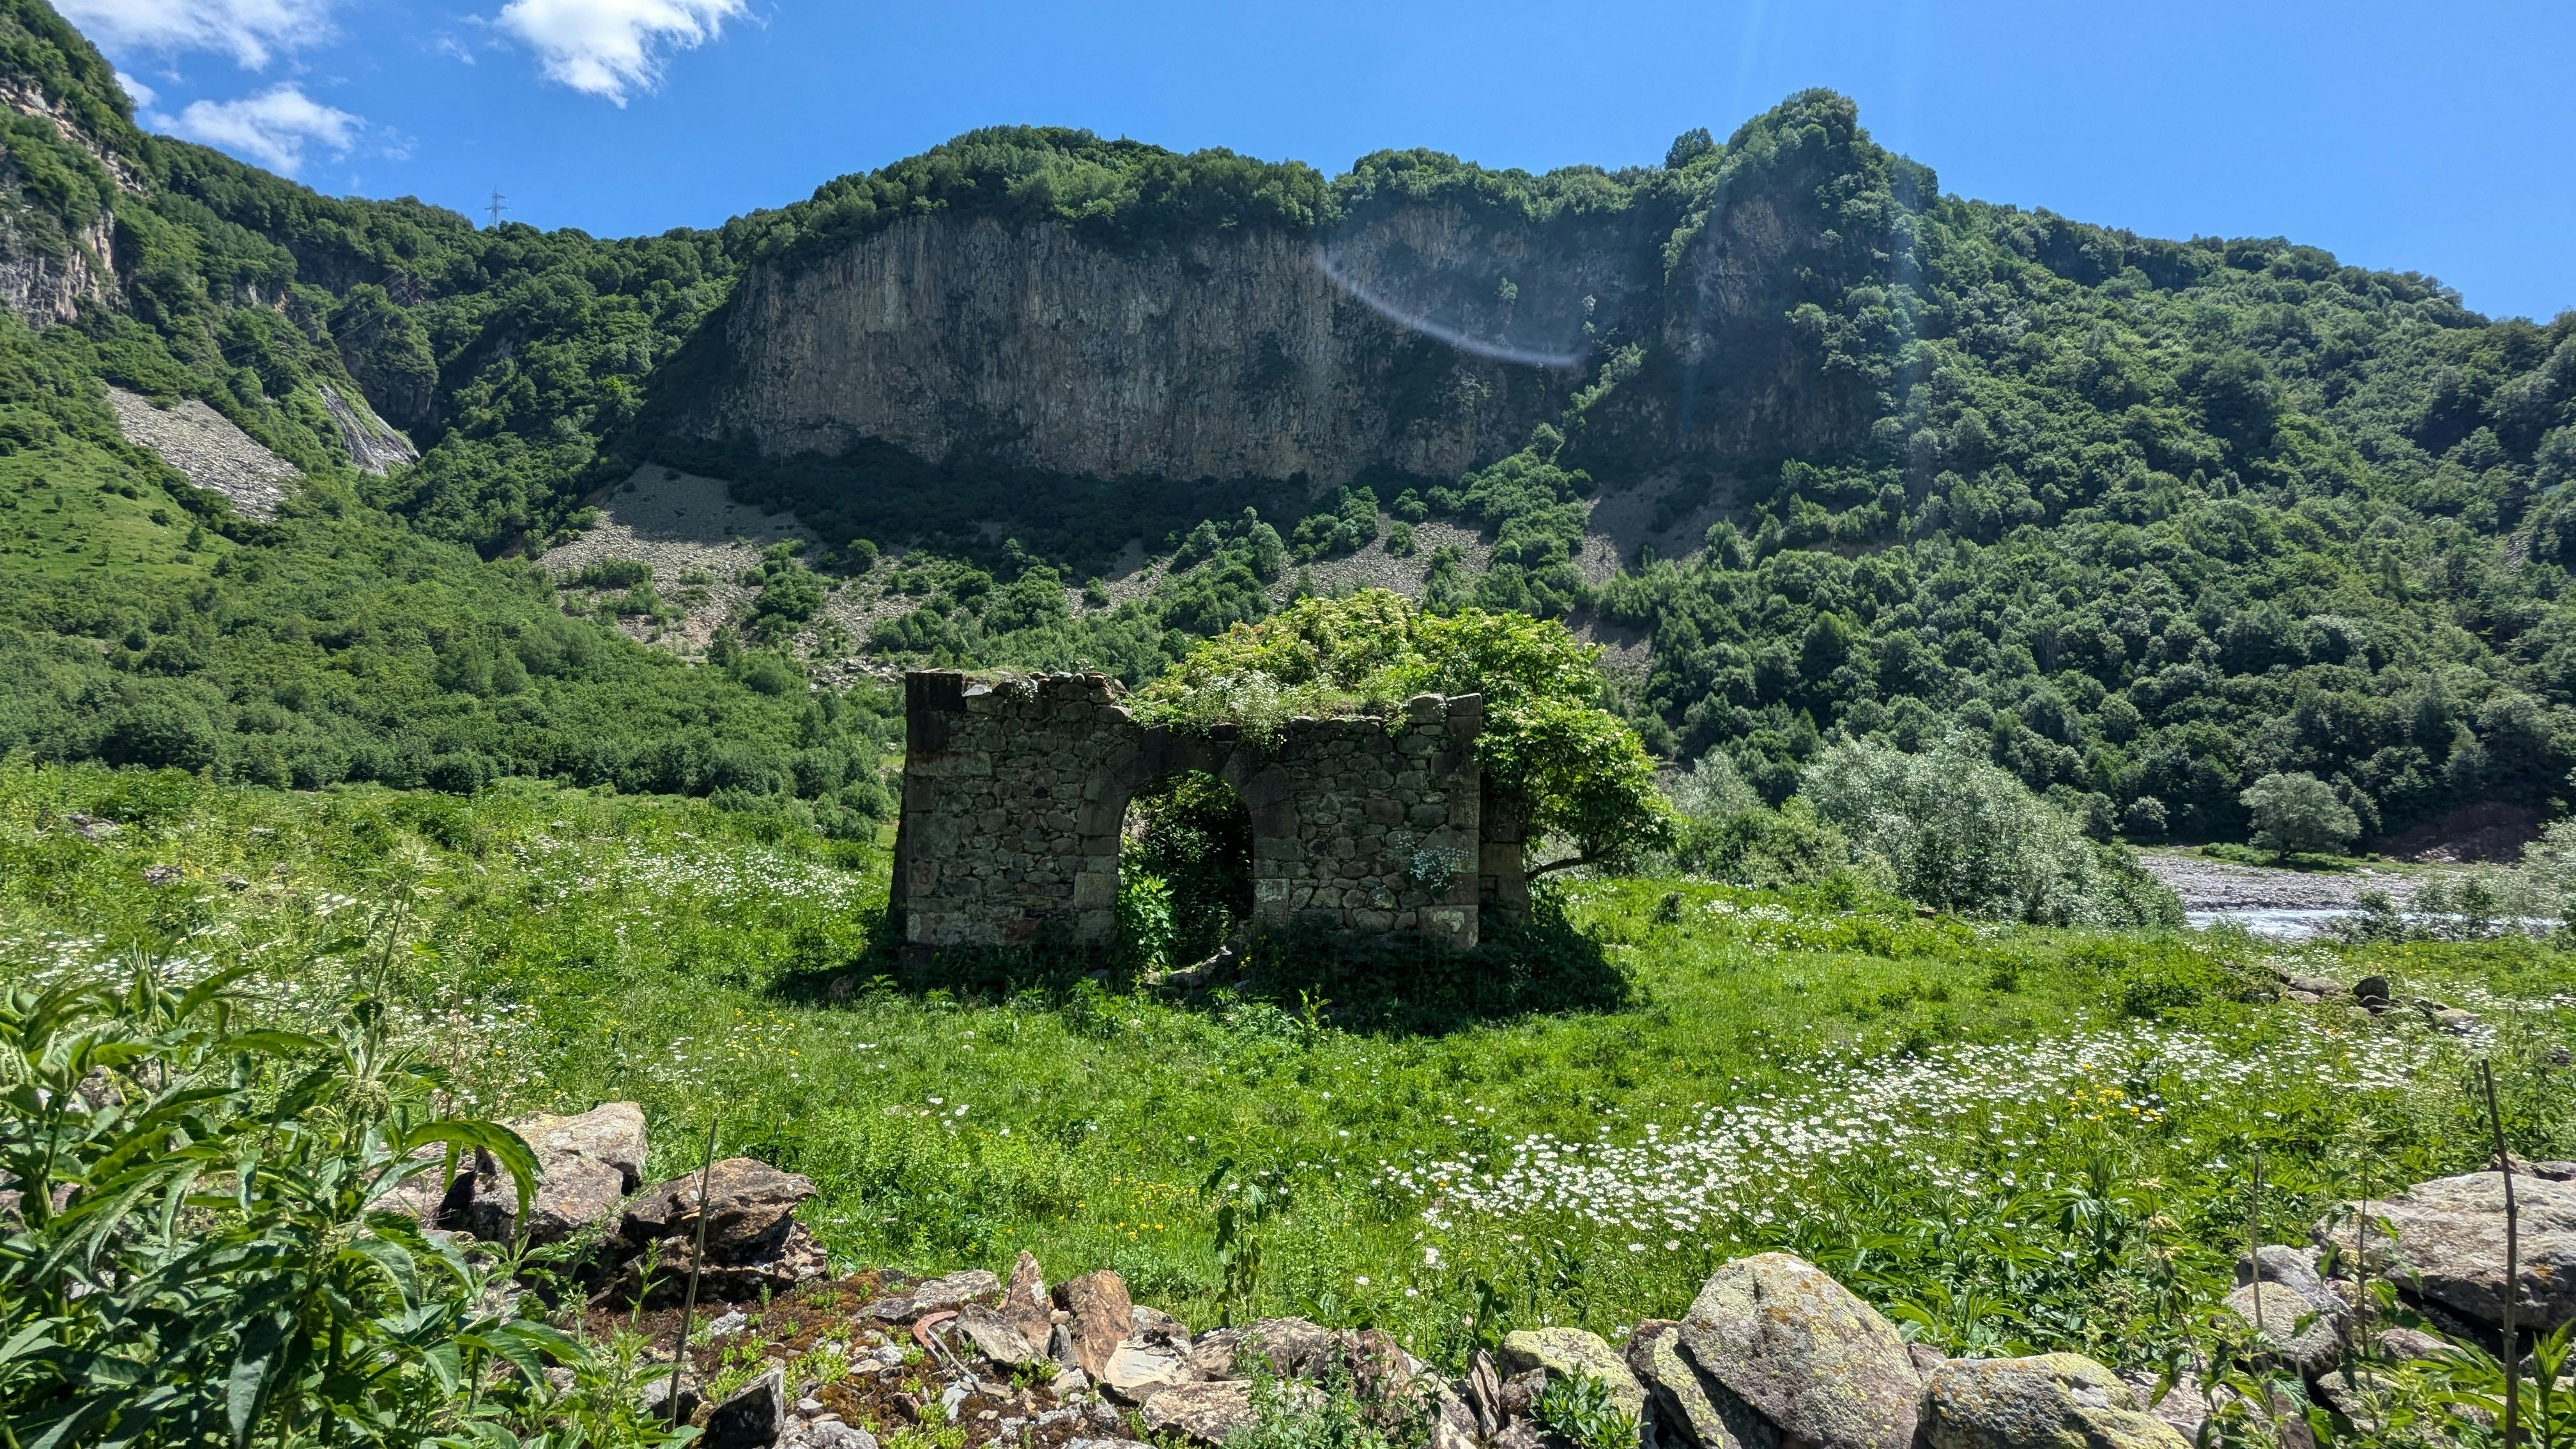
(1015, 789)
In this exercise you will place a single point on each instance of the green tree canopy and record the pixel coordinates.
(1568, 766)
(2297, 812)
(1961, 834)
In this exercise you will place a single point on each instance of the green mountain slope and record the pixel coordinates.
(144, 621)
(2154, 518)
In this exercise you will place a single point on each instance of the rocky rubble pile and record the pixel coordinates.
(589, 1168)
(1771, 1354)
(2373, 994)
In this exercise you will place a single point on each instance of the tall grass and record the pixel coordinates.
(2007, 1135)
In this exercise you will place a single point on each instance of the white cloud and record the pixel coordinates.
(250, 31)
(273, 128)
(610, 47)
(136, 91)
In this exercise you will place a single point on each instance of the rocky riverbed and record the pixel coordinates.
(2270, 901)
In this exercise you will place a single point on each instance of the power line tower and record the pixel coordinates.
(496, 206)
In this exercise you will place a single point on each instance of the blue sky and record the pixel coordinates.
(2435, 138)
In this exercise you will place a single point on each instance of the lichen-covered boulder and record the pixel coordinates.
(2304, 1332)
(2053, 1401)
(1293, 1348)
(1205, 1412)
(1686, 1409)
(2450, 1246)
(1564, 1352)
(1819, 1363)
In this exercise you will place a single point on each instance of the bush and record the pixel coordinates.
(1712, 789)
(2299, 814)
(2145, 818)
(1348, 528)
(1566, 766)
(1144, 921)
(205, 1246)
(1960, 834)
(1196, 837)
(613, 573)
(1768, 848)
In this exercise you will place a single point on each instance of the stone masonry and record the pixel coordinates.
(1015, 789)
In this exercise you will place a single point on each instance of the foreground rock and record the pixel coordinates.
(1025, 1302)
(748, 1206)
(998, 1338)
(586, 1165)
(754, 1244)
(2449, 1248)
(1205, 1412)
(1138, 1369)
(1817, 1362)
(1565, 1352)
(1287, 1347)
(752, 1418)
(2054, 1401)
(1101, 1317)
(949, 1294)
(1686, 1409)
(2304, 1333)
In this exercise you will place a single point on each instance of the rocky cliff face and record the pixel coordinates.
(1232, 355)
(1414, 336)
(50, 265)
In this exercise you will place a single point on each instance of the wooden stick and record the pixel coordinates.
(2361, 1261)
(697, 1264)
(2254, 1245)
(2512, 1267)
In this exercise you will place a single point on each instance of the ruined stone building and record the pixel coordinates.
(1015, 789)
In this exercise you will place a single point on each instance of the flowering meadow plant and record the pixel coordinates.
(2005, 1135)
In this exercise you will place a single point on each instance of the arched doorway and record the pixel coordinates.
(1190, 831)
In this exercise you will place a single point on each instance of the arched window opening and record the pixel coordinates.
(1185, 869)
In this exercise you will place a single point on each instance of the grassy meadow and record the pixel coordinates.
(2003, 1135)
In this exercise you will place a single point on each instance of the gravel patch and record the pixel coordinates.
(699, 540)
(207, 447)
(1374, 568)
(2220, 885)
(686, 527)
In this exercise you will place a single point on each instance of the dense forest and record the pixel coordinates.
(2145, 519)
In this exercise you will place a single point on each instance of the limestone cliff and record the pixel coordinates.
(51, 263)
(1409, 334)
(1233, 354)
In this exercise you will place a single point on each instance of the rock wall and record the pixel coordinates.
(49, 266)
(45, 285)
(1015, 789)
(1229, 354)
(373, 447)
(1418, 335)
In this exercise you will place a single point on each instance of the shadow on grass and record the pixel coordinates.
(1389, 984)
